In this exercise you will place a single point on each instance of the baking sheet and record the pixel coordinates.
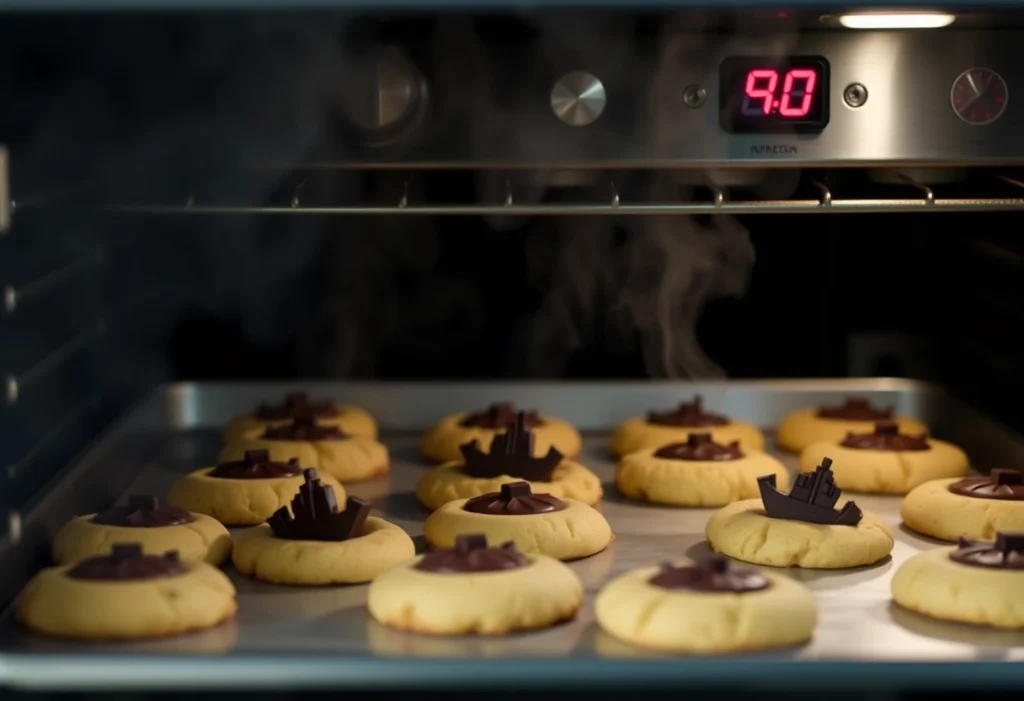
(341, 646)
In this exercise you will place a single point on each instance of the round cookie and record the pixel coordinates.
(317, 544)
(800, 529)
(975, 582)
(698, 472)
(242, 492)
(351, 420)
(321, 446)
(155, 527)
(886, 461)
(442, 442)
(475, 589)
(976, 507)
(126, 595)
(564, 529)
(711, 607)
(832, 423)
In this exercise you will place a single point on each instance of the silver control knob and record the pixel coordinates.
(578, 98)
(385, 97)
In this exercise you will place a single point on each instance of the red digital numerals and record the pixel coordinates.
(795, 101)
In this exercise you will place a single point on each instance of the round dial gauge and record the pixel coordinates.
(979, 96)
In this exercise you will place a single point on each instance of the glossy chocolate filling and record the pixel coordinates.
(713, 574)
(886, 436)
(690, 414)
(1005, 553)
(699, 446)
(856, 409)
(256, 465)
(501, 415)
(471, 554)
(514, 499)
(126, 562)
(143, 511)
(296, 405)
(304, 428)
(1007, 485)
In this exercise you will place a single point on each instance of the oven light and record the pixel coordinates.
(896, 20)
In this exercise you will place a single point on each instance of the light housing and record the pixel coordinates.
(896, 20)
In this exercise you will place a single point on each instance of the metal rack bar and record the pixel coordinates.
(15, 295)
(71, 418)
(14, 385)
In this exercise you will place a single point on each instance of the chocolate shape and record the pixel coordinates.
(1006, 552)
(855, 409)
(812, 499)
(296, 405)
(471, 554)
(126, 561)
(687, 414)
(511, 454)
(514, 499)
(303, 428)
(500, 415)
(315, 516)
(712, 574)
(1007, 485)
(700, 446)
(886, 436)
(256, 464)
(143, 511)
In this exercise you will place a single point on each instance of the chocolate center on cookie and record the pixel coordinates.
(713, 574)
(514, 499)
(296, 405)
(1007, 552)
(1000, 484)
(303, 428)
(125, 562)
(856, 409)
(501, 415)
(689, 414)
(143, 511)
(256, 465)
(315, 516)
(886, 436)
(511, 453)
(472, 554)
(699, 446)
(811, 500)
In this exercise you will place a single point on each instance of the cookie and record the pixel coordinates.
(442, 442)
(126, 594)
(709, 607)
(314, 543)
(475, 589)
(831, 424)
(696, 472)
(242, 492)
(321, 446)
(156, 527)
(975, 582)
(800, 529)
(885, 461)
(352, 420)
(975, 507)
(512, 457)
(564, 529)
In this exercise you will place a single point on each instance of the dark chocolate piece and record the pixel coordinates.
(143, 511)
(687, 414)
(712, 574)
(296, 405)
(511, 454)
(256, 465)
(886, 436)
(812, 499)
(126, 561)
(303, 428)
(315, 516)
(514, 499)
(1000, 484)
(1007, 552)
(699, 446)
(472, 554)
(501, 415)
(856, 409)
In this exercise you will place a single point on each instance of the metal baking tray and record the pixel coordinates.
(290, 637)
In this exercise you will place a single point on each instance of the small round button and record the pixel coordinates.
(578, 98)
(855, 95)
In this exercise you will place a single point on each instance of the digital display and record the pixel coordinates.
(760, 94)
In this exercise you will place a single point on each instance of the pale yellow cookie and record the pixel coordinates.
(743, 531)
(933, 510)
(932, 584)
(202, 539)
(632, 609)
(239, 502)
(446, 483)
(540, 594)
(352, 420)
(346, 459)
(801, 428)
(55, 604)
(441, 442)
(886, 471)
(259, 553)
(637, 434)
(644, 476)
(576, 531)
